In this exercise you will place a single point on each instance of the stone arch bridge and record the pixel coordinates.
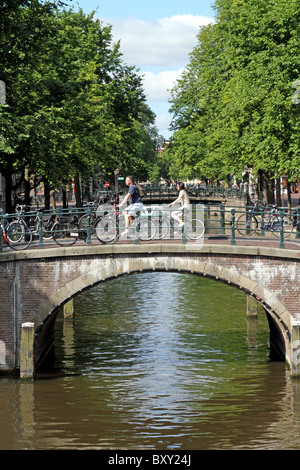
(35, 283)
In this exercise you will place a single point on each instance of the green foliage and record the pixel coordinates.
(233, 106)
(72, 104)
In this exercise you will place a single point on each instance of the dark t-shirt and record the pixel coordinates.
(134, 194)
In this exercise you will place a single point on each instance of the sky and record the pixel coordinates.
(156, 37)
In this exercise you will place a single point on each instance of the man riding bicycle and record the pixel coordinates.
(136, 203)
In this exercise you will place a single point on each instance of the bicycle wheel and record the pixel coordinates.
(107, 230)
(162, 225)
(47, 226)
(147, 229)
(247, 224)
(83, 222)
(14, 231)
(287, 225)
(64, 235)
(83, 226)
(194, 228)
(18, 235)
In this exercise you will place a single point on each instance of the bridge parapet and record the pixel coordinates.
(200, 191)
(35, 283)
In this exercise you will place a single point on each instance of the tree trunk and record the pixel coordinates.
(8, 192)
(64, 197)
(27, 187)
(266, 187)
(77, 191)
(52, 198)
(47, 194)
(289, 195)
(278, 192)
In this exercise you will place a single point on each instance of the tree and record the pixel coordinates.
(72, 104)
(234, 104)
(21, 38)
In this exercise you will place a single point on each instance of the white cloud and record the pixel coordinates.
(165, 42)
(192, 20)
(157, 85)
(160, 49)
(163, 122)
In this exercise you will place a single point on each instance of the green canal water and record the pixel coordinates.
(156, 361)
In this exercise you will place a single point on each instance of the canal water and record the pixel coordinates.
(156, 361)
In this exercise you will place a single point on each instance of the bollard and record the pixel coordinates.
(295, 348)
(26, 351)
(252, 307)
(69, 309)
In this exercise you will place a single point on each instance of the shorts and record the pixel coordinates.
(185, 207)
(134, 208)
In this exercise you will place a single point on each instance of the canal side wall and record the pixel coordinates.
(35, 283)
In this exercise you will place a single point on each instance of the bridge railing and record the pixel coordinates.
(201, 191)
(253, 223)
(232, 223)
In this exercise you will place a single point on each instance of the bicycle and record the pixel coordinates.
(104, 203)
(89, 220)
(110, 226)
(69, 228)
(193, 227)
(32, 220)
(15, 233)
(66, 230)
(261, 217)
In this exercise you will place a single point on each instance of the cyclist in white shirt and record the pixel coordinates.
(182, 199)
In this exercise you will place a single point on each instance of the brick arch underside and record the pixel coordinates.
(277, 314)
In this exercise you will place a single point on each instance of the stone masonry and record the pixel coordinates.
(36, 282)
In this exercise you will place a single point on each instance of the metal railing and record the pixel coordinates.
(87, 225)
(202, 191)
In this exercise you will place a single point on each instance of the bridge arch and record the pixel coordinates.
(36, 282)
(277, 314)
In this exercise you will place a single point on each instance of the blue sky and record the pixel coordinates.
(147, 11)
(157, 38)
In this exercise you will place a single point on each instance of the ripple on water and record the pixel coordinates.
(158, 361)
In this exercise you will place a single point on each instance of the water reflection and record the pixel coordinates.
(144, 366)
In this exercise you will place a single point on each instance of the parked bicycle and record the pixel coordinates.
(72, 227)
(14, 233)
(90, 219)
(264, 218)
(66, 230)
(32, 220)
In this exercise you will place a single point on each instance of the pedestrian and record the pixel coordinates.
(182, 199)
(136, 203)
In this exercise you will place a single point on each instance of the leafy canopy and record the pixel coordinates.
(233, 105)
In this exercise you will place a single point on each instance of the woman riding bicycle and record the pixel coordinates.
(182, 199)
